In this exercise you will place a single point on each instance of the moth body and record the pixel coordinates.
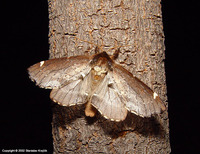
(99, 69)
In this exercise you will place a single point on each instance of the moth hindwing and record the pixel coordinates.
(98, 81)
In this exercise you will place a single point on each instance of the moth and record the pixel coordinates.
(98, 82)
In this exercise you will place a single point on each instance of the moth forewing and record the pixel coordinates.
(55, 72)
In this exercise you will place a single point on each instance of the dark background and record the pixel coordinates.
(25, 120)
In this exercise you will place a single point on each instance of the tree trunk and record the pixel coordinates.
(75, 28)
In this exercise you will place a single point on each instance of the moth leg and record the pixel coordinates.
(90, 111)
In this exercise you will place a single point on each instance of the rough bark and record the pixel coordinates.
(135, 24)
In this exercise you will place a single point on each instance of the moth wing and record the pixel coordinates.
(139, 98)
(72, 93)
(54, 73)
(108, 102)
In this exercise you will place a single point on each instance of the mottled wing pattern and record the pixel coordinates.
(139, 98)
(56, 72)
(108, 101)
(73, 93)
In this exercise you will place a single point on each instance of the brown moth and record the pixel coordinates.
(99, 82)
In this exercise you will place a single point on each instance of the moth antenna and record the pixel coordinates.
(96, 50)
(86, 41)
(116, 54)
(97, 46)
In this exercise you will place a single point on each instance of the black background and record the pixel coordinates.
(25, 120)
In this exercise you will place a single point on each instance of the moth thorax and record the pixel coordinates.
(99, 72)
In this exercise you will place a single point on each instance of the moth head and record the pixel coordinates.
(101, 62)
